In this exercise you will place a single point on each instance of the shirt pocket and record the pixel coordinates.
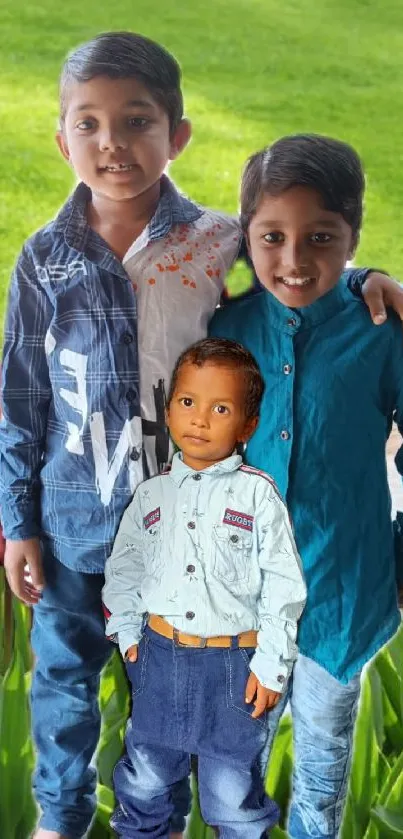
(231, 554)
(153, 551)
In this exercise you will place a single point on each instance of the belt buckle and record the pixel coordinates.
(200, 646)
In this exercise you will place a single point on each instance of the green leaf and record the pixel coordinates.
(278, 780)
(389, 822)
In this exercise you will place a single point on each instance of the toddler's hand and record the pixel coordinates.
(131, 653)
(265, 698)
(23, 564)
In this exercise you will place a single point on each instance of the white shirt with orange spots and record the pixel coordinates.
(178, 279)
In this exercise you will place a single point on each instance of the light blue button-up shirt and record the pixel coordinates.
(214, 554)
(333, 383)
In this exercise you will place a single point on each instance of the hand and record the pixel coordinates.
(265, 698)
(131, 653)
(23, 564)
(380, 291)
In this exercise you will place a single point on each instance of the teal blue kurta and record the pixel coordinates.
(333, 381)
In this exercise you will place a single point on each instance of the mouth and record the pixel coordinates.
(118, 167)
(296, 283)
(194, 439)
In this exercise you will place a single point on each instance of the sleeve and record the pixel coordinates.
(355, 278)
(26, 395)
(124, 572)
(282, 597)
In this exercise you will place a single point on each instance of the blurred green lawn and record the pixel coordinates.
(253, 70)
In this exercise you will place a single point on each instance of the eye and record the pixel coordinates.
(220, 409)
(138, 122)
(321, 238)
(274, 237)
(85, 124)
(186, 401)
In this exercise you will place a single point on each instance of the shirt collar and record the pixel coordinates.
(173, 208)
(291, 321)
(179, 471)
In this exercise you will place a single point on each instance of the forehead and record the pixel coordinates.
(104, 93)
(296, 206)
(212, 380)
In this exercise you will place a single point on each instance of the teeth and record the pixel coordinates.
(293, 281)
(122, 167)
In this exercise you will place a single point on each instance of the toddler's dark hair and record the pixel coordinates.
(225, 353)
(329, 166)
(124, 55)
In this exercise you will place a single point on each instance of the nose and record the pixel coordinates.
(200, 418)
(112, 138)
(294, 256)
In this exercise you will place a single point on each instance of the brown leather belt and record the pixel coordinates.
(162, 627)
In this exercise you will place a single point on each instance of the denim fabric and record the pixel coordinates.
(333, 384)
(191, 701)
(68, 640)
(323, 713)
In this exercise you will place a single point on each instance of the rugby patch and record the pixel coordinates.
(152, 518)
(241, 520)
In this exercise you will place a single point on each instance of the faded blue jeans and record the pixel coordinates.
(68, 639)
(192, 701)
(323, 713)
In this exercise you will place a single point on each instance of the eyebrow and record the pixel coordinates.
(183, 394)
(133, 103)
(322, 222)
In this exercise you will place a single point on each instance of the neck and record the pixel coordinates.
(121, 222)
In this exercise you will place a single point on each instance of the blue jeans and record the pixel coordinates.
(191, 701)
(323, 713)
(68, 639)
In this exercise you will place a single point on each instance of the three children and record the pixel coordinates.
(102, 301)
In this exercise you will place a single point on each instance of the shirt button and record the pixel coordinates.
(191, 569)
(234, 538)
(287, 369)
(285, 435)
(191, 525)
(281, 679)
(127, 338)
(131, 395)
(291, 322)
(135, 454)
(197, 477)
(190, 615)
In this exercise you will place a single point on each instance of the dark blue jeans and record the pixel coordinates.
(191, 701)
(68, 639)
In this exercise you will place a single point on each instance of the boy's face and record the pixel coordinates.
(116, 137)
(298, 248)
(206, 415)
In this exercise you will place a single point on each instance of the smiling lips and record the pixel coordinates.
(295, 282)
(118, 167)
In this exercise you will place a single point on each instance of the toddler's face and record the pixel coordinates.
(299, 249)
(206, 415)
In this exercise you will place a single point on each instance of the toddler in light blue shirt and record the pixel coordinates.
(206, 559)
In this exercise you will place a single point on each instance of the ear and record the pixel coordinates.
(180, 139)
(248, 429)
(166, 413)
(62, 145)
(247, 241)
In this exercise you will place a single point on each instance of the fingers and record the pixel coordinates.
(23, 565)
(260, 703)
(34, 561)
(375, 301)
(251, 688)
(131, 653)
(380, 291)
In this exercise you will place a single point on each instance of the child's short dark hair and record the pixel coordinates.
(329, 166)
(123, 55)
(225, 353)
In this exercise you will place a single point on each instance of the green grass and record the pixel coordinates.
(253, 70)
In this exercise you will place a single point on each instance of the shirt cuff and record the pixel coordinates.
(19, 518)
(271, 674)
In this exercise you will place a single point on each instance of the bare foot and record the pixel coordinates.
(41, 833)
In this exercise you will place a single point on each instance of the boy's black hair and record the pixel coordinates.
(124, 55)
(225, 353)
(329, 166)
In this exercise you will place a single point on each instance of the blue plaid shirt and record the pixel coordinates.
(71, 434)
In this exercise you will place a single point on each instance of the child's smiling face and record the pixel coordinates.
(117, 137)
(206, 414)
(298, 249)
